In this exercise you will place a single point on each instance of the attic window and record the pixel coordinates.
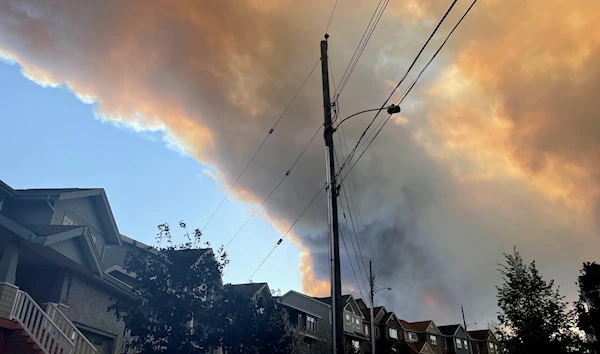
(68, 221)
(433, 339)
(393, 333)
(458, 343)
(412, 336)
(348, 319)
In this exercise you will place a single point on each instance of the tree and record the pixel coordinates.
(246, 325)
(534, 317)
(588, 305)
(178, 285)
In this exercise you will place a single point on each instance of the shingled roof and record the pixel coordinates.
(449, 330)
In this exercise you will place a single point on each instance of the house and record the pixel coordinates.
(52, 242)
(421, 332)
(388, 328)
(354, 320)
(254, 291)
(310, 316)
(484, 342)
(456, 339)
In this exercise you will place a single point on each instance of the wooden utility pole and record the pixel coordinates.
(372, 295)
(336, 283)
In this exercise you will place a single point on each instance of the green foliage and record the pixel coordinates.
(244, 325)
(185, 308)
(588, 305)
(534, 317)
(177, 283)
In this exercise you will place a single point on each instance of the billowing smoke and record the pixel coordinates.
(498, 144)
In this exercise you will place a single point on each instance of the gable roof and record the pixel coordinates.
(249, 289)
(98, 195)
(449, 330)
(482, 334)
(46, 235)
(420, 347)
(327, 300)
(421, 326)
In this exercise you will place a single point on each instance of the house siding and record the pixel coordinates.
(309, 305)
(72, 249)
(87, 305)
(83, 212)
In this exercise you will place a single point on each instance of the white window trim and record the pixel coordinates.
(393, 333)
(412, 337)
(68, 221)
(348, 319)
(366, 330)
(433, 339)
(458, 343)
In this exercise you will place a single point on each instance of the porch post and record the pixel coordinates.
(8, 276)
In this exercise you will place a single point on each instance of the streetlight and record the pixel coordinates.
(373, 292)
(470, 346)
(392, 109)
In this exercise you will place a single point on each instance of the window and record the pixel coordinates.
(367, 330)
(458, 343)
(445, 344)
(67, 221)
(357, 322)
(412, 336)
(433, 339)
(348, 319)
(393, 333)
(465, 344)
(311, 323)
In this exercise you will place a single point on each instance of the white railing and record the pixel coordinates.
(82, 344)
(40, 328)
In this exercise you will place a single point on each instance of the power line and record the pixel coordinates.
(260, 146)
(352, 266)
(359, 256)
(412, 84)
(287, 173)
(373, 22)
(288, 230)
(331, 16)
(351, 155)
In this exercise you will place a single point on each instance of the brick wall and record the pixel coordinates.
(88, 303)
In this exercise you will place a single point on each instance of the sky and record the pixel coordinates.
(497, 145)
(52, 140)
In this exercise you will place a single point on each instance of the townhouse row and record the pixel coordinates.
(62, 264)
(311, 314)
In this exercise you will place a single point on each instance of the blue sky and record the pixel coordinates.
(50, 139)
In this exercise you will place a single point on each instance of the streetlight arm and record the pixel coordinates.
(391, 110)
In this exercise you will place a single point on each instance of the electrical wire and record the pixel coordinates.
(351, 265)
(260, 146)
(288, 230)
(410, 87)
(331, 16)
(352, 230)
(373, 22)
(287, 173)
(351, 155)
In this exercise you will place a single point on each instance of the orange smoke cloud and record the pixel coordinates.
(517, 100)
